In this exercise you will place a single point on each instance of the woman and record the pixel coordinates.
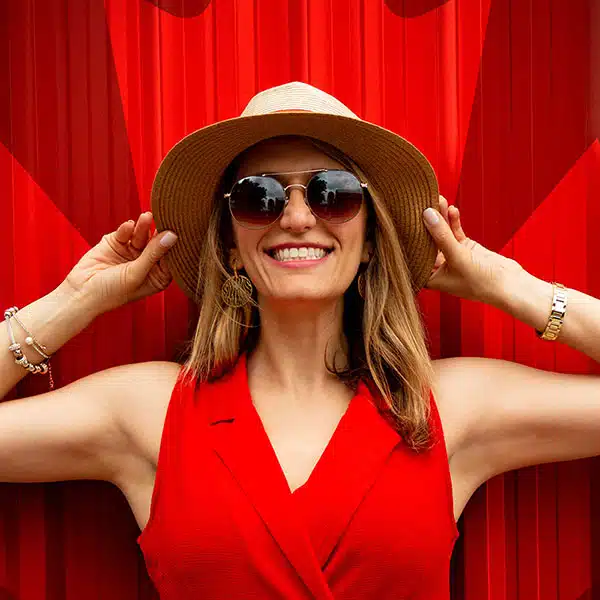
(309, 447)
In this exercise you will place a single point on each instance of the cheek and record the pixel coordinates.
(237, 232)
(246, 242)
(240, 237)
(351, 236)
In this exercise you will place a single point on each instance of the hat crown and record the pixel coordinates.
(296, 95)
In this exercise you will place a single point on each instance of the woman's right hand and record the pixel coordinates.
(126, 265)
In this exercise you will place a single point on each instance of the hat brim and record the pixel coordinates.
(186, 183)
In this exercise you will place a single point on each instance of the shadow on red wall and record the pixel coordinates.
(182, 8)
(413, 8)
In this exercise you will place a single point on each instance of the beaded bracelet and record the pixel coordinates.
(40, 368)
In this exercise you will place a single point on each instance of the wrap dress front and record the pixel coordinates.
(373, 521)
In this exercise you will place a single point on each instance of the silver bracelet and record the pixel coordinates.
(37, 369)
(30, 340)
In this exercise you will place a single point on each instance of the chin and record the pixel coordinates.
(296, 293)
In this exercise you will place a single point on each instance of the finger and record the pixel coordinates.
(456, 225)
(444, 237)
(152, 253)
(163, 274)
(159, 277)
(140, 233)
(123, 232)
(139, 239)
(444, 207)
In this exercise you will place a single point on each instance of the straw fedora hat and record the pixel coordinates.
(187, 181)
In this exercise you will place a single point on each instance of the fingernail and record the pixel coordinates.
(167, 240)
(431, 216)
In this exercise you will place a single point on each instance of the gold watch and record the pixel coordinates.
(557, 313)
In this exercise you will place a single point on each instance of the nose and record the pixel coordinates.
(297, 215)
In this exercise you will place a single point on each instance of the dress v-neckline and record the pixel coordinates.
(347, 468)
(324, 458)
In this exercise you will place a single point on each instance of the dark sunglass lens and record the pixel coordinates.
(335, 196)
(256, 201)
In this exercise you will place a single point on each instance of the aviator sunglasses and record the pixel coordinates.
(333, 195)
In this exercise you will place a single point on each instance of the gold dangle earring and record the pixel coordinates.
(236, 290)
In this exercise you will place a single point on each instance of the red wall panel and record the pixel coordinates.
(501, 95)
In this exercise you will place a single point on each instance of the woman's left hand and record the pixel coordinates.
(463, 267)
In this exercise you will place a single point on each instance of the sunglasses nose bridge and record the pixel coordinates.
(293, 185)
(287, 187)
(297, 215)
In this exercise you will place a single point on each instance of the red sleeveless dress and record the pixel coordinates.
(373, 521)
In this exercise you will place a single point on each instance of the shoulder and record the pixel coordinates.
(465, 388)
(143, 382)
(152, 373)
(141, 412)
(456, 386)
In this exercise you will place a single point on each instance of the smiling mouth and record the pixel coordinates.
(298, 254)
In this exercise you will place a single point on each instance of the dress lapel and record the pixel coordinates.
(239, 439)
(347, 471)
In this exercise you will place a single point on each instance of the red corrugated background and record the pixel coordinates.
(501, 95)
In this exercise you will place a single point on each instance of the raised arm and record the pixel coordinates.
(76, 432)
(502, 415)
(510, 415)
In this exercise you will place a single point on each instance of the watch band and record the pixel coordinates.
(557, 313)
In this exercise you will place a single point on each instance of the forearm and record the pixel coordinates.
(53, 320)
(529, 300)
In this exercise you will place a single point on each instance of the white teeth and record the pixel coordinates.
(299, 254)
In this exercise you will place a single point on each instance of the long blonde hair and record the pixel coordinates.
(385, 333)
